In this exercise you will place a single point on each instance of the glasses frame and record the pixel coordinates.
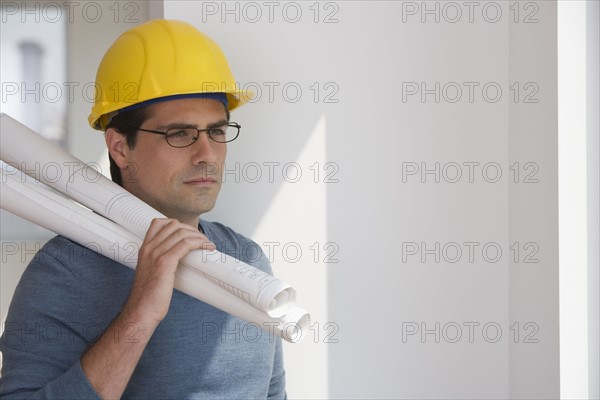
(207, 130)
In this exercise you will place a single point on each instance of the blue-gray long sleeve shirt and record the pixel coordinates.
(69, 295)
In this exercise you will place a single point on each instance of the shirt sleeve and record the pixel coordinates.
(277, 385)
(45, 336)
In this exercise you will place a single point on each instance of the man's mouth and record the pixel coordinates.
(201, 181)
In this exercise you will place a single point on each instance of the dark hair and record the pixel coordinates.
(126, 123)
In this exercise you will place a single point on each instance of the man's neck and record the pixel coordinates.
(193, 222)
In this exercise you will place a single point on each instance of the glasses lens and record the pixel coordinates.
(221, 134)
(181, 137)
(224, 134)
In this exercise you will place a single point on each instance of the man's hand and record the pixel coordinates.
(166, 242)
(108, 364)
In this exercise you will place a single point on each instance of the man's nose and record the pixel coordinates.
(203, 149)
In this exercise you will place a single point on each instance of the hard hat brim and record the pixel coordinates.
(235, 99)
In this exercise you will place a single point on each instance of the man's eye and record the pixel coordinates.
(217, 132)
(177, 133)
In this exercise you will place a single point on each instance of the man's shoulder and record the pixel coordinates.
(61, 255)
(59, 241)
(235, 244)
(216, 231)
(64, 250)
(61, 250)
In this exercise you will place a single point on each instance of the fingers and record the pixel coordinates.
(167, 233)
(167, 241)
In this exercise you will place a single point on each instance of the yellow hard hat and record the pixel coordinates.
(161, 58)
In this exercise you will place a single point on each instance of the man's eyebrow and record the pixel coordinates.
(184, 125)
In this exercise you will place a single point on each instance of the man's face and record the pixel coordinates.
(181, 183)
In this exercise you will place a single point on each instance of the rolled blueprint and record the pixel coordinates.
(36, 202)
(24, 149)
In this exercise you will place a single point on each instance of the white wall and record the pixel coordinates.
(593, 175)
(533, 206)
(363, 212)
(373, 213)
(88, 38)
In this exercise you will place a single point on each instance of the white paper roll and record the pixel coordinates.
(44, 206)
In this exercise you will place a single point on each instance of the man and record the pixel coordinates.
(83, 326)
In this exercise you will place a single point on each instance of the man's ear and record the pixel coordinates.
(117, 147)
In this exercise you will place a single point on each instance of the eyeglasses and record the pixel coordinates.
(184, 137)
